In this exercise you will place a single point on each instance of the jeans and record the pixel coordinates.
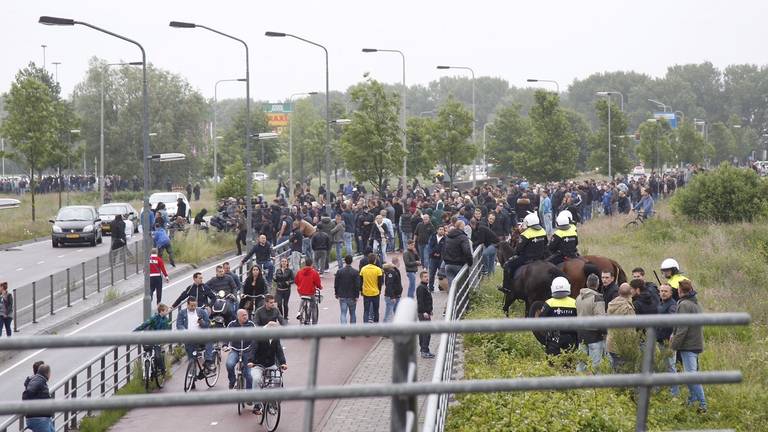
(306, 247)
(5, 322)
(310, 302)
(169, 249)
(156, 286)
(399, 235)
(595, 351)
(231, 362)
(321, 260)
(348, 304)
(670, 361)
(423, 251)
(489, 259)
(424, 338)
(40, 424)
(380, 249)
(370, 309)
(411, 284)
(547, 219)
(339, 260)
(451, 270)
(282, 296)
(390, 307)
(269, 270)
(194, 347)
(434, 266)
(696, 391)
(348, 236)
(295, 261)
(257, 373)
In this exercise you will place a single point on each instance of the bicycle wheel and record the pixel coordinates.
(632, 225)
(211, 378)
(147, 374)
(159, 376)
(240, 385)
(271, 410)
(315, 313)
(305, 318)
(191, 376)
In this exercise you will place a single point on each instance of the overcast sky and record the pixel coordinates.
(514, 40)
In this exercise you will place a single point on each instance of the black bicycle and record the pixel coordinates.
(197, 371)
(153, 370)
(270, 410)
(309, 313)
(640, 218)
(240, 370)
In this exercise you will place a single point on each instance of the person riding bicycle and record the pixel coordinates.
(238, 347)
(266, 355)
(268, 312)
(158, 321)
(644, 207)
(565, 241)
(671, 271)
(532, 246)
(307, 280)
(194, 318)
(199, 290)
(254, 290)
(262, 251)
(222, 310)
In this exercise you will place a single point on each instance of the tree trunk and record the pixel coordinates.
(60, 185)
(32, 189)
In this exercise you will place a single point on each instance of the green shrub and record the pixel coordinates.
(727, 194)
(233, 184)
(194, 246)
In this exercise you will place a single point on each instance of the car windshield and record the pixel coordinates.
(166, 198)
(113, 210)
(74, 214)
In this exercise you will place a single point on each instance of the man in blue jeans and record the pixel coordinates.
(347, 285)
(689, 342)
(235, 347)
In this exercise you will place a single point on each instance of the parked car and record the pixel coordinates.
(107, 214)
(170, 201)
(260, 176)
(76, 224)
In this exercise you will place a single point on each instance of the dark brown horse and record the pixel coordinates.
(532, 282)
(577, 270)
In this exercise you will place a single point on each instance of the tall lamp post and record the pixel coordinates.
(56, 70)
(101, 128)
(248, 168)
(485, 160)
(290, 140)
(402, 115)
(474, 118)
(145, 140)
(327, 117)
(608, 95)
(213, 126)
(557, 86)
(661, 104)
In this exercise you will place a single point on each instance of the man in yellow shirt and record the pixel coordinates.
(373, 277)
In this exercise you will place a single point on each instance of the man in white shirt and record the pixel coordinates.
(195, 318)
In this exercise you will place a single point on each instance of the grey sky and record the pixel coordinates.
(514, 40)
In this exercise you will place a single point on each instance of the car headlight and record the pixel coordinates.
(56, 229)
(88, 228)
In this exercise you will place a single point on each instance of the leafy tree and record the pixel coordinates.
(232, 147)
(32, 124)
(655, 149)
(233, 183)
(598, 142)
(551, 152)
(371, 144)
(723, 141)
(580, 127)
(421, 136)
(690, 145)
(453, 129)
(508, 136)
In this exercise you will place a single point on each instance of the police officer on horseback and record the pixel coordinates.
(565, 240)
(532, 246)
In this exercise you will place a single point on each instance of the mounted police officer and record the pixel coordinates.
(532, 245)
(565, 240)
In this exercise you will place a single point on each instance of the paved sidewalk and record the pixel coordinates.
(373, 414)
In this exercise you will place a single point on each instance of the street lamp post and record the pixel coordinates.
(327, 120)
(56, 70)
(557, 86)
(661, 104)
(248, 167)
(485, 161)
(608, 95)
(44, 47)
(402, 116)
(145, 138)
(213, 126)
(474, 118)
(290, 140)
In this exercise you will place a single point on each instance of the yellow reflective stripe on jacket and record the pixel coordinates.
(570, 232)
(565, 302)
(532, 233)
(675, 280)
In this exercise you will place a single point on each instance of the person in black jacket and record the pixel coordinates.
(347, 286)
(283, 279)
(436, 246)
(181, 209)
(483, 235)
(393, 288)
(644, 301)
(457, 250)
(36, 389)
(254, 290)
(668, 305)
(198, 290)
(267, 355)
(117, 232)
(321, 244)
(424, 310)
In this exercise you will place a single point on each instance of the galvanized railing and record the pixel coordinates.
(403, 390)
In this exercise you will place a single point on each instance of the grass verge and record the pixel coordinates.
(728, 266)
(195, 246)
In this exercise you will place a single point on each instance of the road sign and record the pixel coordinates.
(668, 116)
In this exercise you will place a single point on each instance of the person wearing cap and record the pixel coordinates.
(532, 245)
(671, 271)
(565, 240)
(560, 305)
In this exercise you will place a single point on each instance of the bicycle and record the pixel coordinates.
(240, 369)
(152, 371)
(270, 410)
(251, 303)
(195, 367)
(309, 312)
(639, 220)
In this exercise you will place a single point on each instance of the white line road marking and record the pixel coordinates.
(79, 329)
(79, 250)
(19, 269)
(61, 256)
(40, 262)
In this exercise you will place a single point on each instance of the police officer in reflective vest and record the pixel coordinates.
(561, 305)
(565, 240)
(532, 245)
(671, 271)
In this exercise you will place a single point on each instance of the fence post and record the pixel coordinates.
(309, 410)
(103, 375)
(98, 274)
(111, 268)
(15, 306)
(73, 417)
(88, 383)
(644, 392)
(403, 416)
(69, 288)
(83, 269)
(115, 367)
(51, 279)
(127, 363)
(34, 302)
(125, 262)
(66, 396)
(136, 255)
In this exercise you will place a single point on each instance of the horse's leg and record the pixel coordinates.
(508, 300)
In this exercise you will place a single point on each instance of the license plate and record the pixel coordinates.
(73, 236)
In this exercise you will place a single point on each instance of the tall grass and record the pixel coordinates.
(194, 246)
(728, 265)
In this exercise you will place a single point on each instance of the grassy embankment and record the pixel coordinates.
(728, 266)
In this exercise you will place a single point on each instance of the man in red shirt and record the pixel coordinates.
(307, 279)
(156, 273)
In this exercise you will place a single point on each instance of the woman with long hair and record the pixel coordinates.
(254, 290)
(283, 279)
